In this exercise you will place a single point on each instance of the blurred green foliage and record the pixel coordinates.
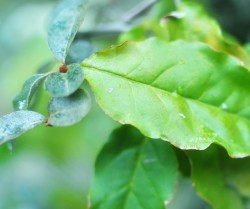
(53, 168)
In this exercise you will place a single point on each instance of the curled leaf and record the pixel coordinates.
(23, 98)
(65, 22)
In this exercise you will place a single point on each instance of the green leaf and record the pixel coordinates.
(17, 123)
(190, 22)
(162, 8)
(181, 92)
(196, 25)
(144, 31)
(65, 22)
(238, 174)
(133, 171)
(210, 182)
(79, 51)
(66, 111)
(64, 84)
(23, 98)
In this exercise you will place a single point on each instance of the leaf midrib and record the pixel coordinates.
(85, 65)
(138, 164)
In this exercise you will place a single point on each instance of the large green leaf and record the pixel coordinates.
(182, 92)
(66, 111)
(133, 171)
(23, 98)
(210, 181)
(65, 22)
(17, 123)
(60, 84)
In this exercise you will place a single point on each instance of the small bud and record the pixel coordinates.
(63, 68)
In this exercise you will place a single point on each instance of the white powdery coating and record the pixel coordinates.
(21, 104)
(17, 123)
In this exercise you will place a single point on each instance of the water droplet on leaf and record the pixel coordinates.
(224, 106)
(110, 90)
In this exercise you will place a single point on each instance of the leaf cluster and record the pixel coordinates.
(180, 83)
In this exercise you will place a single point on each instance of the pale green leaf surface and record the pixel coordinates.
(181, 92)
(210, 182)
(23, 98)
(66, 111)
(17, 123)
(64, 84)
(65, 22)
(133, 171)
(79, 51)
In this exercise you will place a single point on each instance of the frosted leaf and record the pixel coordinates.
(16, 123)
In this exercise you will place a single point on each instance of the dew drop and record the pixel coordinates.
(166, 202)
(110, 90)
(224, 106)
(152, 160)
(174, 93)
(241, 63)
(182, 115)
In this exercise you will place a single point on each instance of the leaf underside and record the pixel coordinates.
(128, 162)
(184, 93)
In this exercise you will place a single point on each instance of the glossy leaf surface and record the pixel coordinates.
(64, 84)
(133, 171)
(23, 98)
(66, 111)
(162, 87)
(17, 123)
(65, 22)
